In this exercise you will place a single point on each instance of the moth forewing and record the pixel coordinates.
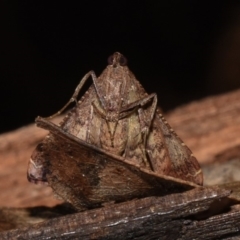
(179, 160)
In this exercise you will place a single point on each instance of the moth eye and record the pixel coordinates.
(122, 61)
(117, 59)
(110, 60)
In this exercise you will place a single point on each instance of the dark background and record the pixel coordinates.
(183, 50)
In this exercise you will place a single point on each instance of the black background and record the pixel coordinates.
(182, 50)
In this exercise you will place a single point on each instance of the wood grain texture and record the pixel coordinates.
(210, 127)
(147, 218)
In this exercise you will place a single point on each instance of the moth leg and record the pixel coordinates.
(76, 92)
(144, 120)
(99, 110)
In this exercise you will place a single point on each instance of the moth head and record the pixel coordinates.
(117, 59)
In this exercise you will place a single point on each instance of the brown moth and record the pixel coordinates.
(117, 116)
(87, 176)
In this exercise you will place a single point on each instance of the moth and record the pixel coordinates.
(118, 118)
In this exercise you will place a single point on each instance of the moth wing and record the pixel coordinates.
(169, 153)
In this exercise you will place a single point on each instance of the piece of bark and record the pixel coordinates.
(209, 127)
(13, 218)
(169, 217)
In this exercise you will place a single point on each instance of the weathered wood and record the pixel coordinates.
(147, 218)
(224, 226)
(209, 127)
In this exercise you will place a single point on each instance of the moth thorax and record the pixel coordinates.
(112, 116)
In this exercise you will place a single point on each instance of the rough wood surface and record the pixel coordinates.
(147, 218)
(210, 128)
